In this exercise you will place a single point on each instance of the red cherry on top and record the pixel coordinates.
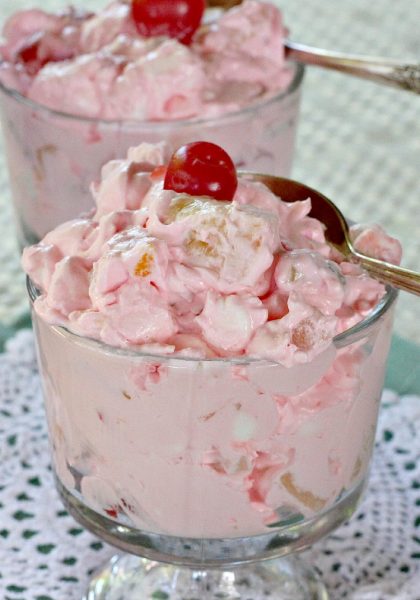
(202, 169)
(174, 18)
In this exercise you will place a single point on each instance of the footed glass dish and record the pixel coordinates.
(211, 475)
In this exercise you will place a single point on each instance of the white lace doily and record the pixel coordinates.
(46, 555)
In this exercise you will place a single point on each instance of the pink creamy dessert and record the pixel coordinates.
(78, 89)
(215, 401)
(98, 65)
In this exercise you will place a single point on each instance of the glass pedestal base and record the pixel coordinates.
(128, 577)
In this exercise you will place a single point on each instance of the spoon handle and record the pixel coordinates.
(398, 277)
(389, 72)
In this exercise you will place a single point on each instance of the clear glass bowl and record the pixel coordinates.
(210, 465)
(53, 157)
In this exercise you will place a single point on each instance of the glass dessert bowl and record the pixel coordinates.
(180, 461)
(64, 119)
(212, 376)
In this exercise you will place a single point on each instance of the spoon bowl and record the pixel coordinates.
(337, 231)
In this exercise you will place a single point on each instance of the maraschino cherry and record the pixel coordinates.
(35, 53)
(174, 18)
(202, 169)
(28, 54)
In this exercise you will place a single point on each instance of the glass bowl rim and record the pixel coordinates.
(347, 337)
(294, 84)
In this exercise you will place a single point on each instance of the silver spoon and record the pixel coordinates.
(337, 231)
(395, 73)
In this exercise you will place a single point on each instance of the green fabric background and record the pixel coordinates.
(403, 373)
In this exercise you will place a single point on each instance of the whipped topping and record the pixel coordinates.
(204, 278)
(97, 65)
